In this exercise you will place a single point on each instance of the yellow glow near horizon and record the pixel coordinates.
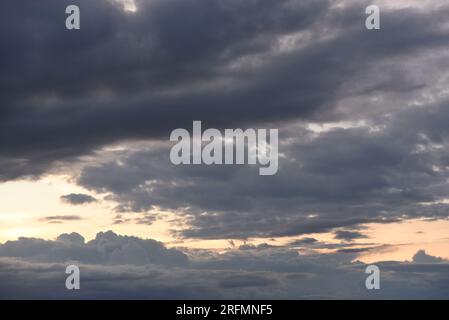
(24, 203)
(407, 237)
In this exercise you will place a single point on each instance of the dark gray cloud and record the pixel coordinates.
(77, 198)
(336, 179)
(348, 235)
(247, 280)
(227, 63)
(107, 248)
(129, 76)
(71, 238)
(303, 241)
(392, 168)
(422, 257)
(355, 250)
(33, 268)
(261, 246)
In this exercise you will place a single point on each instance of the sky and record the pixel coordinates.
(85, 170)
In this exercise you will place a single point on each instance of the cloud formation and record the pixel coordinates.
(228, 63)
(363, 129)
(137, 76)
(107, 248)
(340, 178)
(33, 268)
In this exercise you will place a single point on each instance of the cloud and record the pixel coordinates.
(303, 241)
(339, 178)
(60, 219)
(261, 246)
(34, 268)
(77, 198)
(132, 77)
(363, 139)
(138, 76)
(162, 72)
(348, 235)
(71, 238)
(422, 257)
(247, 280)
(145, 219)
(107, 248)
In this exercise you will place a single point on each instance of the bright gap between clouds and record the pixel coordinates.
(128, 5)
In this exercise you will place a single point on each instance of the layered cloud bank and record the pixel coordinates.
(338, 178)
(114, 266)
(362, 117)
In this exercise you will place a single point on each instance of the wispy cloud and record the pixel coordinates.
(60, 219)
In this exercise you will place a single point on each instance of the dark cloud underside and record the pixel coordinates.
(232, 64)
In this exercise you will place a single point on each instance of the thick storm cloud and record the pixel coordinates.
(228, 63)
